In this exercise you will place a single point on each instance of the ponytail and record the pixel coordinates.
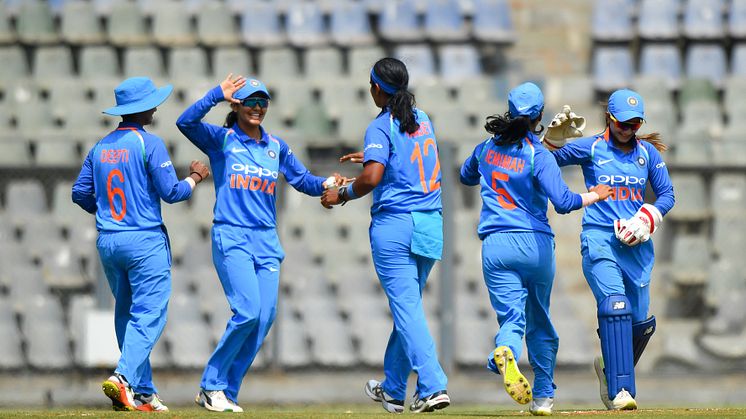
(392, 78)
(654, 138)
(507, 130)
(230, 119)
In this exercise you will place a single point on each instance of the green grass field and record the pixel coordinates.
(370, 412)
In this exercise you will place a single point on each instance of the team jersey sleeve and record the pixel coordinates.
(297, 175)
(576, 152)
(162, 172)
(659, 180)
(83, 192)
(549, 176)
(206, 137)
(376, 144)
(470, 169)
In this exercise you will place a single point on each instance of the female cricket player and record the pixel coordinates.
(401, 167)
(617, 252)
(122, 181)
(517, 175)
(246, 250)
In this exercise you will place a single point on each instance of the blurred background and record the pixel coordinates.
(61, 59)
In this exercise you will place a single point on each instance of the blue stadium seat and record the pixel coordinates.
(398, 22)
(706, 61)
(737, 19)
(612, 20)
(738, 61)
(703, 20)
(492, 21)
(215, 25)
(662, 61)
(658, 19)
(80, 24)
(236, 60)
(260, 25)
(612, 68)
(444, 21)
(305, 25)
(459, 63)
(349, 24)
(419, 61)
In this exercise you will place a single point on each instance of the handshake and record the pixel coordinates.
(640, 227)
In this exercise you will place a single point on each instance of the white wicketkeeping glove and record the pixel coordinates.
(640, 227)
(564, 125)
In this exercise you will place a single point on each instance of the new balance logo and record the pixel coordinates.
(619, 305)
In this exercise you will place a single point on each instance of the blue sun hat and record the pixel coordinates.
(626, 104)
(252, 86)
(138, 94)
(526, 100)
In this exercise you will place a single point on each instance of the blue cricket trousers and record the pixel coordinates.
(247, 261)
(137, 265)
(518, 270)
(403, 275)
(611, 267)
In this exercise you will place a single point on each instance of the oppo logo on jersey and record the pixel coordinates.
(250, 169)
(621, 180)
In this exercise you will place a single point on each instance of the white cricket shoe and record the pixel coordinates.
(374, 390)
(603, 388)
(436, 401)
(215, 401)
(624, 401)
(150, 403)
(541, 406)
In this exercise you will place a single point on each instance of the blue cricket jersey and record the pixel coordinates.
(245, 171)
(411, 178)
(515, 183)
(124, 177)
(628, 173)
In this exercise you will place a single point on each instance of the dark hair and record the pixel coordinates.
(232, 117)
(394, 73)
(653, 138)
(508, 130)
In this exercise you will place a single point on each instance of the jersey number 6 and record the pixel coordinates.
(503, 197)
(417, 156)
(112, 192)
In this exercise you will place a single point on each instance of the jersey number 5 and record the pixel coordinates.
(417, 155)
(503, 197)
(112, 192)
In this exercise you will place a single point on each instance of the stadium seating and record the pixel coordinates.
(612, 21)
(658, 19)
(703, 19)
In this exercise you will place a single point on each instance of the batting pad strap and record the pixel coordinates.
(615, 331)
(641, 333)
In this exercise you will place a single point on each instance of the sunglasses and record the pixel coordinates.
(634, 126)
(251, 102)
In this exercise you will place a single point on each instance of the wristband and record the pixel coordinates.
(197, 173)
(349, 192)
(191, 182)
(589, 198)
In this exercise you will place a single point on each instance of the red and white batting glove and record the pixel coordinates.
(640, 227)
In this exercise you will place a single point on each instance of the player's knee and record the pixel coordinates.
(614, 305)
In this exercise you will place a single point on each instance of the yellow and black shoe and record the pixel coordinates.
(119, 391)
(516, 385)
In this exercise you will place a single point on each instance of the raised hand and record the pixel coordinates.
(230, 85)
(200, 169)
(356, 157)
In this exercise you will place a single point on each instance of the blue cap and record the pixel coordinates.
(138, 94)
(252, 86)
(526, 100)
(625, 105)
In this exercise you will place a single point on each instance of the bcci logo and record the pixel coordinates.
(632, 101)
(641, 161)
(619, 305)
(254, 82)
(272, 154)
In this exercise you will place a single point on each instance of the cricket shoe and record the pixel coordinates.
(119, 391)
(374, 390)
(150, 403)
(215, 401)
(624, 401)
(603, 389)
(436, 401)
(515, 383)
(541, 406)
